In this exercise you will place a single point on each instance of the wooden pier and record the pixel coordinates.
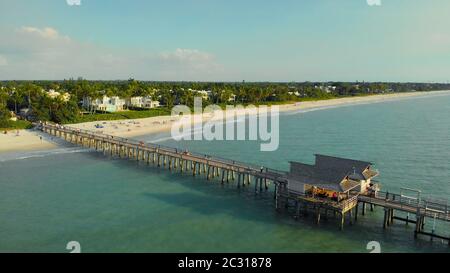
(171, 158)
(420, 208)
(244, 174)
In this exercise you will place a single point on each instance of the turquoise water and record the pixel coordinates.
(113, 205)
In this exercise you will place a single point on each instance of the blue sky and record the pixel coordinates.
(218, 40)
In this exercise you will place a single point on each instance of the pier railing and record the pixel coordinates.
(427, 206)
(253, 169)
(403, 202)
(175, 158)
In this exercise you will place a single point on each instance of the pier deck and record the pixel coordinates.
(426, 207)
(163, 155)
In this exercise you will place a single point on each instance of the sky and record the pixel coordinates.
(226, 40)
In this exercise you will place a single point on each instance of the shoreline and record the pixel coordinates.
(29, 140)
(24, 140)
(162, 124)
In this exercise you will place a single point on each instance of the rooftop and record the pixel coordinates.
(330, 172)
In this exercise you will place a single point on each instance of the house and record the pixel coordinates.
(94, 104)
(232, 98)
(116, 104)
(135, 102)
(25, 113)
(142, 102)
(296, 93)
(328, 89)
(205, 94)
(331, 177)
(104, 104)
(54, 94)
(149, 103)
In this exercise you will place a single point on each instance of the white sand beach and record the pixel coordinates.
(24, 140)
(30, 140)
(146, 126)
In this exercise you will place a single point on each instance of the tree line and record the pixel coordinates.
(16, 95)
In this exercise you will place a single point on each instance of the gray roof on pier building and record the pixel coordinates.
(331, 172)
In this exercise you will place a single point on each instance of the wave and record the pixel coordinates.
(349, 104)
(44, 153)
(153, 138)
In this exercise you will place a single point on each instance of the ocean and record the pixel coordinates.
(49, 198)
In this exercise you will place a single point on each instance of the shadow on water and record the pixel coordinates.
(211, 198)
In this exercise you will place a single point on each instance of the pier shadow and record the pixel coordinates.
(211, 198)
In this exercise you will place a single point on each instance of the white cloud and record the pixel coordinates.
(73, 2)
(47, 33)
(186, 55)
(43, 53)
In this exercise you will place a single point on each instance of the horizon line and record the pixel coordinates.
(242, 81)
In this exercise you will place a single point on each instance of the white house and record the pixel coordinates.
(328, 89)
(205, 94)
(54, 94)
(143, 102)
(135, 102)
(117, 104)
(105, 104)
(149, 103)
